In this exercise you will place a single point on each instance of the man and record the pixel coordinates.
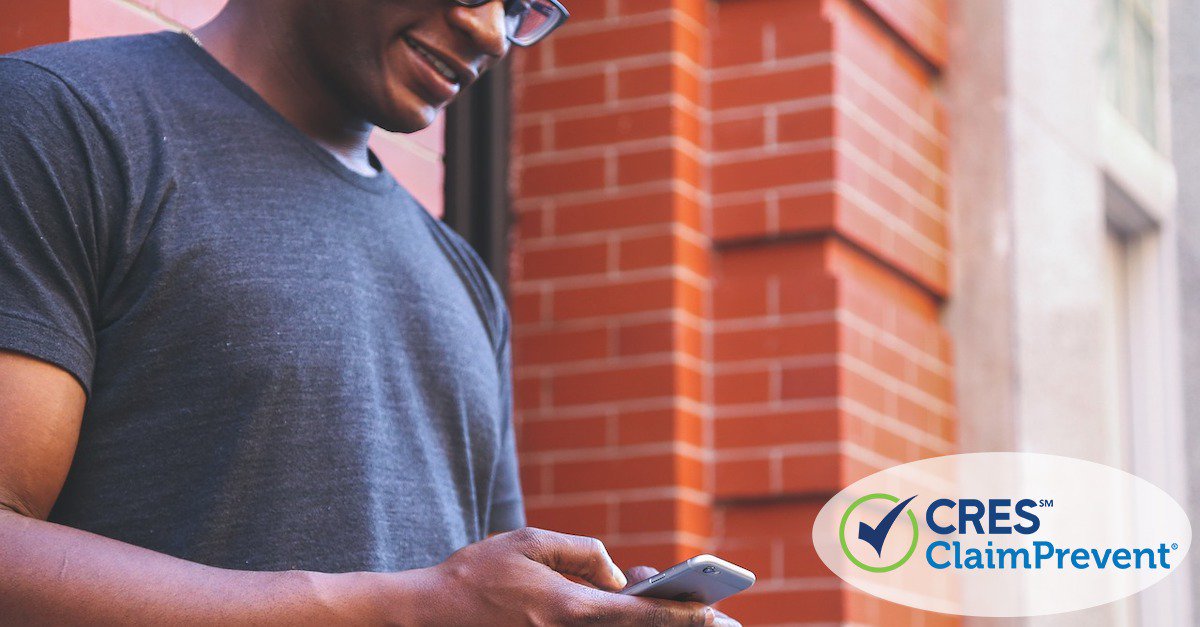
(236, 356)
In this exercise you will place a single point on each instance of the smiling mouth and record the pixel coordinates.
(434, 61)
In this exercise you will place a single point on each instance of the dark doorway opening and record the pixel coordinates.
(476, 156)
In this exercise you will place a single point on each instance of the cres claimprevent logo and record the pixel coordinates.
(874, 536)
(1002, 534)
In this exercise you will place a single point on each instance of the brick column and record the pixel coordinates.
(730, 263)
(829, 224)
(611, 276)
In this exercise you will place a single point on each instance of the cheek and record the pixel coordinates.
(398, 107)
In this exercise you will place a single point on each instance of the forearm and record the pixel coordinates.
(57, 575)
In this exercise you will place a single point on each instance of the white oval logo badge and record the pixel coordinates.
(1002, 534)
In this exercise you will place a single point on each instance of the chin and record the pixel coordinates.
(405, 125)
(405, 119)
(402, 115)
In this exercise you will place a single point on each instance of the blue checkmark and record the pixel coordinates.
(876, 535)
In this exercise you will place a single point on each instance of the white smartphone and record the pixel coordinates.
(704, 578)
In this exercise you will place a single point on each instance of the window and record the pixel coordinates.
(1129, 63)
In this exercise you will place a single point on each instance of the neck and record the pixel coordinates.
(263, 56)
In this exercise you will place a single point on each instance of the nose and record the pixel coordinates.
(485, 26)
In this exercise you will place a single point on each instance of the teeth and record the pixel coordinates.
(437, 63)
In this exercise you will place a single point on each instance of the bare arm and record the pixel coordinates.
(55, 574)
(51, 574)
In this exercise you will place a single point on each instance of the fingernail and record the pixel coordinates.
(619, 576)
(710, 617)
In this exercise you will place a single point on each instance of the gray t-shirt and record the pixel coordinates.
(288, 364)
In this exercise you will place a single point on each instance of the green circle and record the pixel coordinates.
(842, 534)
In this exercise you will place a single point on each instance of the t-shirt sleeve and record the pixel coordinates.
(508, 506)
(57, 174)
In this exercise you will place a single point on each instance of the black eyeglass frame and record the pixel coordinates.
(557, 5)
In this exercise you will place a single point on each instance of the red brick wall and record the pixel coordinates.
(730, 258)
(24, 24)
(613, 273)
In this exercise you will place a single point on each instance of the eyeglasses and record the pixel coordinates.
(528, 21)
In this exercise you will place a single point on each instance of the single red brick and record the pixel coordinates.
(743, 298)
(535, 347)
(660, 164)
(646, 426)
(576, 91)
(740, 221)
(808, 382)
(563, 433)
(734, 388)
(611, 299)
(647, 516)
(739, 134)
(613, 383)
(666, 78)
(773, 340)
(812, 474)
(806, 125)
(594, 475)
(563, 261)
(588, 519)
(646, 338)
(768, 171)
(562, 177)
(612, 128)
(767, 429)
(612, 44)
(772, 87)
(615, 213)
(743, 477)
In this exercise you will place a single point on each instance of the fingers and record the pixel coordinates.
(591, 606)
(724, 620)
(639, 573)
(580, 556)
(643, 611)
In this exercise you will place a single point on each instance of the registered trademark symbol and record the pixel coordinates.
(1174, 546)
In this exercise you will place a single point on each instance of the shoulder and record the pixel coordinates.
(39, 110)
(477, 277)
(92, 61)
(103, 74)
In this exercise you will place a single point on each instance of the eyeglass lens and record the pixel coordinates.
(529, 21)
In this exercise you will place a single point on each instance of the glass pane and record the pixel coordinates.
(1109, 64)
(1144, 83)
(1127, 63)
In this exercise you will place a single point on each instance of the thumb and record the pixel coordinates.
(638, 573)
(580, 556)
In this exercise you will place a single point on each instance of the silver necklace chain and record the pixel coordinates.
(192, 36)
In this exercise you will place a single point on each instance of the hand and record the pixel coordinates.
(517, 578)
(638, 573)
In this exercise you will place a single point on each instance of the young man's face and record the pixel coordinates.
(396, 63)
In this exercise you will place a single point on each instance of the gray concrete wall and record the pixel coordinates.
(1185, 130)
(1045, 316)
